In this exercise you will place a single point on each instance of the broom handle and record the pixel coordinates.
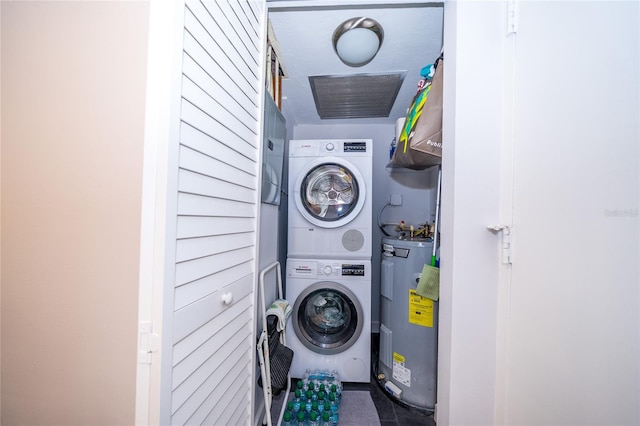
(435, 228)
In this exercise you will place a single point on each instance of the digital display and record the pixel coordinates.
(353, 270)
(355, 147)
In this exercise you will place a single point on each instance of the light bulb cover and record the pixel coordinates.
(357, 41)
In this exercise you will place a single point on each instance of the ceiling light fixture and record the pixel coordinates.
(357, 41)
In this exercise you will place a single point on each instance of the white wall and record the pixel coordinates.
(417, 189)
(73, 78)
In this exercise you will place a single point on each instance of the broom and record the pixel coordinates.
(429, 283)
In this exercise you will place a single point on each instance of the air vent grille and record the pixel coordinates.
(355, 95)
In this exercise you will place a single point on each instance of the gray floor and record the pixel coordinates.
(390, 411)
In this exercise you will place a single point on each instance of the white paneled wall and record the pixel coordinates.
(212, 341)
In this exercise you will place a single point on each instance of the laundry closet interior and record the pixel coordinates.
(340, 203)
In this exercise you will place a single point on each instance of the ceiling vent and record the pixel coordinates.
(355, 95)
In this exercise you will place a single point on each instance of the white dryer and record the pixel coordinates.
(330, 324)
(330, 208)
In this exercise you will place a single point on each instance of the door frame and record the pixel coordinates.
(162, 118)
(476, 182)
(468, 304)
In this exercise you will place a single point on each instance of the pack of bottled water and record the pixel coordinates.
(316, 400)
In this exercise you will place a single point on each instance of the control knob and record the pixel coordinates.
(327, 269)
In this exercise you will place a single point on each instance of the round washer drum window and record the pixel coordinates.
(329, 192)
(328, 320)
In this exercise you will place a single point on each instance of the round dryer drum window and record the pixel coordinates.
(329, 192)
(327, 318)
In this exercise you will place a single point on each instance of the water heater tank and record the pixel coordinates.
(408, 324)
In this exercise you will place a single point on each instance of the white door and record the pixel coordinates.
(201, 211)
(572, 341)
(543, 135)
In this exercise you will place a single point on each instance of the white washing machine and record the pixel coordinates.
(330, 208)
(330, 324)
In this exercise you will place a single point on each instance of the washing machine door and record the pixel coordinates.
(330, 192)
(327, 318)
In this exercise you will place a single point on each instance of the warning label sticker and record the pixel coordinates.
(420, 309)
(401, 373)
(398, 358)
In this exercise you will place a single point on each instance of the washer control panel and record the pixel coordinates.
(324, 268)
(352, 269)
(323, 147)
(355, 147)
(341, 269)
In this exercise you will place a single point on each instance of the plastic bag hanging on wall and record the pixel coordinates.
(420, 143)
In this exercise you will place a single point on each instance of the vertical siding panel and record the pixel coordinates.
(230, 396)
(249, 15)
(193, 49)
(216, 218)
(199, 76)
(255, 6)
(213, 147)
(208, 331)
(187, 294)
(246, 45)
(208, 104)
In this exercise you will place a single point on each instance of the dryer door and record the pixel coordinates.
(327, 318)
(330, 192)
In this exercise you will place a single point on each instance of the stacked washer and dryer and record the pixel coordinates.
(328, 271)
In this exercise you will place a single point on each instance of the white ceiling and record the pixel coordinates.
(412, 39)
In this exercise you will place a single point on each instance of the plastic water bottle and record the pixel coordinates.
(327, 407)
(336, 389)
(326, 419)
(322, 374)
(313, 419)
(333, 409)
(336, 381)
(301, 418)
(305, 379)
(297, 401)
(309, 401)
(286, 419)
